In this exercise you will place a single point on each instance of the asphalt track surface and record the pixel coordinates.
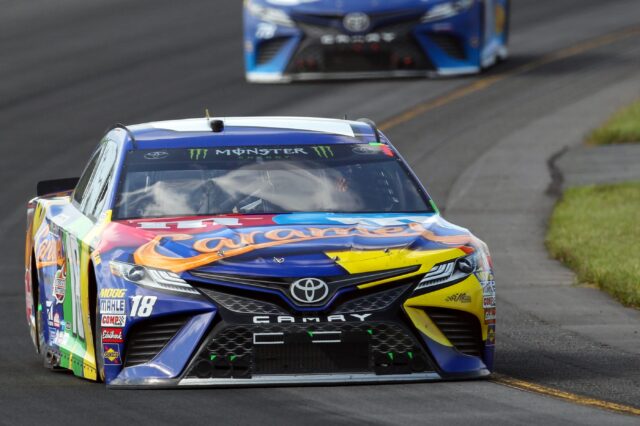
(69, 69)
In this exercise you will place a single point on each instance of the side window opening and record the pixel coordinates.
(94, 197)
(81, 188)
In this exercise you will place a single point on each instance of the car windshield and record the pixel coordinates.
(345, 178)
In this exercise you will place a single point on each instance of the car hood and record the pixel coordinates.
(282, 245)
(342, 6)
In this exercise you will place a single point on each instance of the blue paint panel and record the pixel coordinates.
(451, 361)
(170, 362)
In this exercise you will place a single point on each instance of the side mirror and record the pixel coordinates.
(47, 187)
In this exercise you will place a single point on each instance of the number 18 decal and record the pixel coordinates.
(142, 306)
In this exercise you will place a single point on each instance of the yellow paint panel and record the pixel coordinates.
(356, 262)
(465, 296)
(423, 323)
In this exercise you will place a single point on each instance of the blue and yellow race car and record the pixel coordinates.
(242, 251)
(286, 40)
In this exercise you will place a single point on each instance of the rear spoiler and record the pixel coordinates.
(47, 187)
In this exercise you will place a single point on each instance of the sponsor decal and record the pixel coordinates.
(96, 258)
(49, 307)
(113, 320)
(112, 354)
(281, 319)
(112, 306)
(156, 155)
(491, 335)
(112, 335)
(198, 154)
(366, 150)
(279, 260)
(489, 288)
(260, 152)
(56, 320)
(323, 151)
(215, 248)
(459, 298)
(490, 316)
(49, 251)
(53, 335)
(489, 302)
(386, 150)
(60, 285)
(112, 293)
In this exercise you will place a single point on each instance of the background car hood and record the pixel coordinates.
(341, 6)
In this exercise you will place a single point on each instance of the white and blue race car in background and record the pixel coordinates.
(287, 40)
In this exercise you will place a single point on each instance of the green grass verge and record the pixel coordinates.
(595, 230)
(623, 127)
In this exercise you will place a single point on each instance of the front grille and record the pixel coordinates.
(148, 338)
(373, 302)
(269, 49)
(243, 305)
(388, 45)
(461, 328)
(450, 44)
(283, 284)
(312, 348)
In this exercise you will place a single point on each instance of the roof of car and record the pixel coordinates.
(251, 131)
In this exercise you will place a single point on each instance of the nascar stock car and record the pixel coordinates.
(287, 40)
(245, 251)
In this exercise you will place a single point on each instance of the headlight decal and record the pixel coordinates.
(152, 278)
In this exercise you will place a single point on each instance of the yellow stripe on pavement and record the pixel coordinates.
(486, 82)
(567, 396)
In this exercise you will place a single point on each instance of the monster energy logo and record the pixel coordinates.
(195, 154)
(323, 151)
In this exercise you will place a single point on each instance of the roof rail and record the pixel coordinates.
(129, 132)
(373, 126)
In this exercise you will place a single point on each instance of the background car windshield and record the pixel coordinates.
(348, 178)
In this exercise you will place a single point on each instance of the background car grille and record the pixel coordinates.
(240, 351)
(147, 339)
(461, 328)
(450, 44)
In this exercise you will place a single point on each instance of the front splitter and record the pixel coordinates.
(290, 380)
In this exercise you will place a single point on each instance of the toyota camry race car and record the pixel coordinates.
(287, 40)
(244, 251)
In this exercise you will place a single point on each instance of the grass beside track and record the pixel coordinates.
(594, 230)
(623, 127)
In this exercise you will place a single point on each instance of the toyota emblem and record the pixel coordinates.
(309, 290)
(356, 22)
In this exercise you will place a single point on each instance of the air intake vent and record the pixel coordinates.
(242, 305)
(269, 49)
(451, 45)
(461, 328)
(148, 338)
